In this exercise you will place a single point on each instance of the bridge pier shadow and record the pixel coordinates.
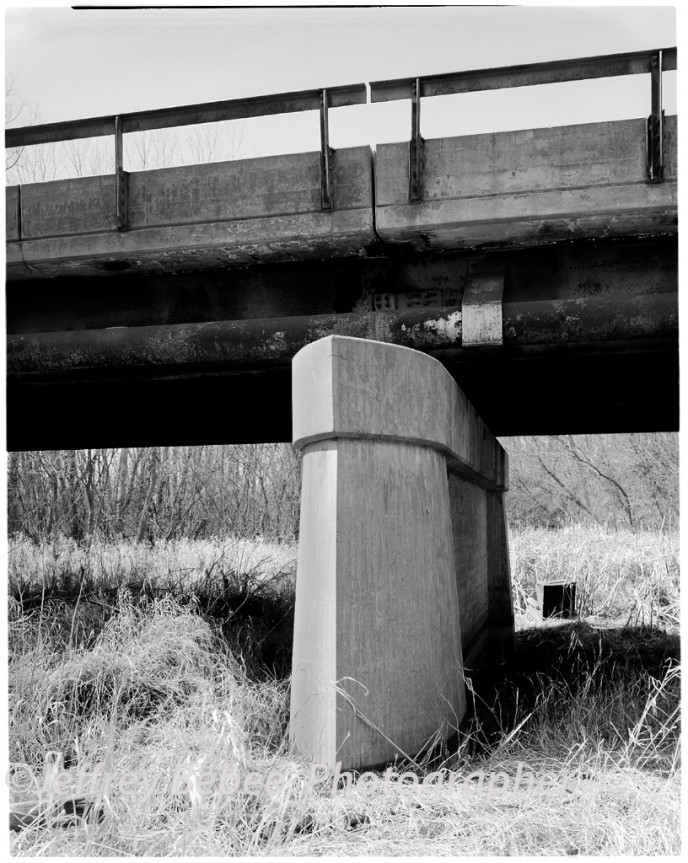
(562, 662)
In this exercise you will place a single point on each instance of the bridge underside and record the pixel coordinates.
(539, 267)
(589, 343)
(538, 396)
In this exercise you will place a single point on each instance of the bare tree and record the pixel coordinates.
(617, 480)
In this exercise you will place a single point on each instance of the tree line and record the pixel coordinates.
(155, 494)
(622, 480)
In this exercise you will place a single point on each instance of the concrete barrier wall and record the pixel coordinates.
(11, 213)
(399, 480)
(64, 208)
(199, 216)
(503, 189)
(527, 187)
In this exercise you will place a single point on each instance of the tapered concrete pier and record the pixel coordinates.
(402, 548)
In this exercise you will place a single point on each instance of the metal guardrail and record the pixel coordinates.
(641, 62)
(555, 72)
(187, 115)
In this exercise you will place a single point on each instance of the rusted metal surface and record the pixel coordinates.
(207, 348)
(185, 349)
(121, 180)
(655, 123)
(187, 115)
(481, 309)
(415, 146)
(589, 326)
(589, 320)
(527, 75)
(130, 298)
(325, 154)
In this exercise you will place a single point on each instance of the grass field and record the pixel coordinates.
(160, 673)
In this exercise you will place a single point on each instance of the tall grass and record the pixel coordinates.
(160, 688)
(619, 574)
(247, 587)
(629, 576)
(174, 565)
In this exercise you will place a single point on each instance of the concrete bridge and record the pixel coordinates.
(538, 267)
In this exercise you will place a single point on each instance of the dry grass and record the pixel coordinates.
(246, 586)
(176, 566)
(622, 575)
(157, 690)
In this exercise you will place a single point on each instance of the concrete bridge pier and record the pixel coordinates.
(402, 554)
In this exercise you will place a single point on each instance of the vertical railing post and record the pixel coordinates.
(121, 179)
(19, 213)
(415, 146)
(655, 122)
(326, 154)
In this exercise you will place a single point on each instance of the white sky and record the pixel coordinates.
(69, 63)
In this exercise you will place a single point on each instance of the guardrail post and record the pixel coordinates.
(415, 146)
(326, 154)
(121, 179)
(655, 123)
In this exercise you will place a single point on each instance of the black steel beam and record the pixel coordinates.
(618, 389)
(191, 350)
(186, 115)
(557, 71)
(527, 75)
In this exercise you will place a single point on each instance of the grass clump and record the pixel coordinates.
(139, 664)
(146, 661)
(245, 587)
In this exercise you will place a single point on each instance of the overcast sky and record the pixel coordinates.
(70, 63)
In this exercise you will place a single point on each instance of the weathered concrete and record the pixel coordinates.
(202, 216)
(11, 213)
(527, 187)
(499, 190)
(386, 554)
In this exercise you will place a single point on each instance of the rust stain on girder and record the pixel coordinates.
(418, 329)
(591, 319)
(219, 346)
(260, 344)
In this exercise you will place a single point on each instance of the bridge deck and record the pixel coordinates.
(482, 191)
